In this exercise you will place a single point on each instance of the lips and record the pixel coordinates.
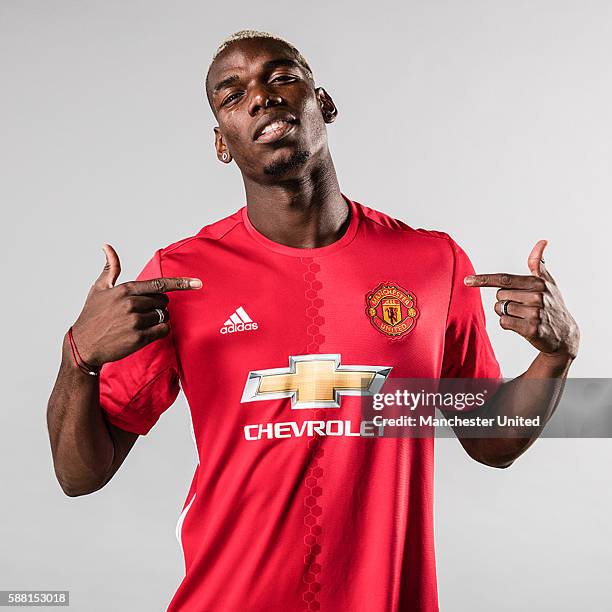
(275, 131)
(273, 127)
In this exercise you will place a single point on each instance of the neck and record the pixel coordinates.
(306, 212)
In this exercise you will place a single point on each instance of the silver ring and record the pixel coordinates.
(504, 307)
(161, 314)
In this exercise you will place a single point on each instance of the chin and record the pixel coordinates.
(288, 164)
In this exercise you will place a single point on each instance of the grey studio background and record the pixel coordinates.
(489, 120)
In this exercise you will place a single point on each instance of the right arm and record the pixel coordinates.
(87, 449)
(116, 321)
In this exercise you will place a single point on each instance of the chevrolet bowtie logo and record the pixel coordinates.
(314, 381)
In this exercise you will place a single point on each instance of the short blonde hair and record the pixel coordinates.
(251, 34)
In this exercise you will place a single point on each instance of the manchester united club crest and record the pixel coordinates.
(391, 309)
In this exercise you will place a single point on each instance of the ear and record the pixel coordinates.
(328, 108)
(223, 153)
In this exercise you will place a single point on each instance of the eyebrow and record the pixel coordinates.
(284, 61)
(226, 82)
(268, 66)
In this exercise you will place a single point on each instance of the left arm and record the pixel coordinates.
(533, 307)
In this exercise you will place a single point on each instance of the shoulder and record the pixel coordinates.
(208, 235)
(394, 229)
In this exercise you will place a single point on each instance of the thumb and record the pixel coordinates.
(112, 269)
(535, 261)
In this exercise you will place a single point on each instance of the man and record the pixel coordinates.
(276, 321)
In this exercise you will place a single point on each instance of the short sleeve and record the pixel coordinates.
(136, 390)
(468, 352)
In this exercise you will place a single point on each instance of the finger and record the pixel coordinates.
(155, 332)
(535, 261)
(506, 281)
(525, 327)
(162, 285)
(146, 303)
(111, 270)
(531, 298)
(514, 309)
(151, 319)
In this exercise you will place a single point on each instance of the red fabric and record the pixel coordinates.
(321, 522)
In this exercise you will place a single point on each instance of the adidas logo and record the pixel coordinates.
(238, 321)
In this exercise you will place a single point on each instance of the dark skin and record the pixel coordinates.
(293, 198)
(536, 311)
(116, 320)
(291, 186)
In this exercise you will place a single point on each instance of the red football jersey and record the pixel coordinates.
(296, 504)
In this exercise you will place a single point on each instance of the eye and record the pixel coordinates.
(229, 98)
(283, 76)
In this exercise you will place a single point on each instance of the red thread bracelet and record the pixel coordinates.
(80, 362)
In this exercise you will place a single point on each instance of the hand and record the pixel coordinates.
(535, 309)
(118, 320)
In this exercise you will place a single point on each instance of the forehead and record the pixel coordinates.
(247, 55)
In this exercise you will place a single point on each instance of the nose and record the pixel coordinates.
(262, 98)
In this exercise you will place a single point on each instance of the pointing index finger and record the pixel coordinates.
(162, 285)
(507, 281)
